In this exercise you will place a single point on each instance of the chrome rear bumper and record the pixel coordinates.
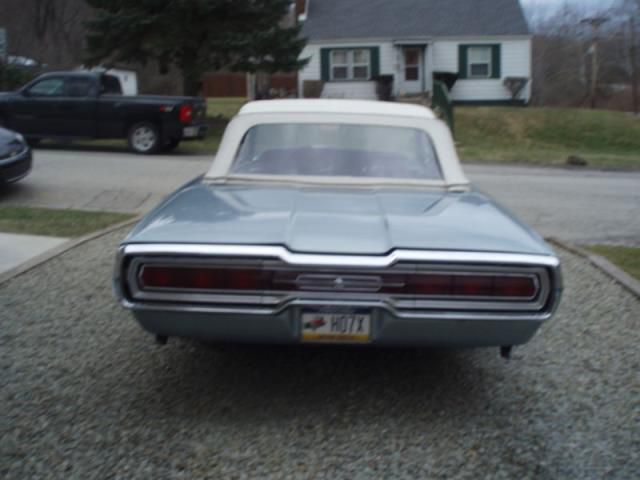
(429, 325)
(387, 328)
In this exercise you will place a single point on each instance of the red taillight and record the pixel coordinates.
(186, 113)
(473, 286)
(436, 285)
(446, 285)
(188, 278)
(418, 285)
(524, 287)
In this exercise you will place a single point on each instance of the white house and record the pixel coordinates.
(482, 42)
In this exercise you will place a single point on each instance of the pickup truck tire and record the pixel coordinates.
(171, 145)
(144, 138)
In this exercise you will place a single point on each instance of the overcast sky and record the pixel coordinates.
(538, 11)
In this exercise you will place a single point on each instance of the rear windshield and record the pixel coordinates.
(342, 150)
(110, 85)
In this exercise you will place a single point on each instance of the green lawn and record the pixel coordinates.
(224, 107)
(547, 136)
(534, 136)
(627, 258)
(56, 223)
(539, 136)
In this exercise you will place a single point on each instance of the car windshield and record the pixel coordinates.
(337, 150)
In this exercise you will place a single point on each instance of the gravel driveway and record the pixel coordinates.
(86, 394)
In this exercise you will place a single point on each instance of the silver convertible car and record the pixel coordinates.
(337, 222)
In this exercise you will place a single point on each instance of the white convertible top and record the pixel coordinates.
(358, 112)
(353, 107)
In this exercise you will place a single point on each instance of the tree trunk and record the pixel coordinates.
(191, 74)
(191, 84)
(634, 67)
(595, 72)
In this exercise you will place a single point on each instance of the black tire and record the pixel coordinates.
(144, 138)
(171, 145)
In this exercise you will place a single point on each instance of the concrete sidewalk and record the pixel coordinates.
(17, 249)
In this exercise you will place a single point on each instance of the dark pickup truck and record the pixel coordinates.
(77, 105)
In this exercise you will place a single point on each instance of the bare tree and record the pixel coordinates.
(50, 31)
(578, 60)
(634, 12)
(42, 14)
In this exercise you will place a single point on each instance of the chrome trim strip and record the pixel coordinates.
(368, 261)
(275, 299)
(404, 315)
(551, 282)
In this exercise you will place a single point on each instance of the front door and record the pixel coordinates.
(34, 111)
(412, 70)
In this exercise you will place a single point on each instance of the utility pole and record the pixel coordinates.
(634, 66)
(596, 23)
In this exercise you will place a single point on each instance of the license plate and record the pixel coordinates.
(190, 131)
(336, 327)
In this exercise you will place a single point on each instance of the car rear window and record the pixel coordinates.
(341, 150)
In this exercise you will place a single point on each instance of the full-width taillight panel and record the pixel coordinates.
(428, 284)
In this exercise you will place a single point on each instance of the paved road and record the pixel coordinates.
(579, 206)
(107, 180)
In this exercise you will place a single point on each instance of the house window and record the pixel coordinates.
(350, 64)
(479, 62)
(411, 64)
(361, 64)
(340, 65)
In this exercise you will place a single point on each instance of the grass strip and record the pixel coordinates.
(627, 258)
(54, 222)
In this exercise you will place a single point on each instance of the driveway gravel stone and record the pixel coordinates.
(85, 393)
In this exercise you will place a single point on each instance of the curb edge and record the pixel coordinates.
(61, 249)
(602, 264)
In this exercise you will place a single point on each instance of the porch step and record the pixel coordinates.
(424, 99)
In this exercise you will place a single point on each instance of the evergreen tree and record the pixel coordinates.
(195, 36)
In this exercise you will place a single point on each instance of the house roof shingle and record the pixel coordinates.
(397, 19)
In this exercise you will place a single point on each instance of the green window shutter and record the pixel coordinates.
(375, 61)
(325, 64)
(495, 61)
(463, 65)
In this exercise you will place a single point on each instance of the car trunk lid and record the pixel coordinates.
(365, 221)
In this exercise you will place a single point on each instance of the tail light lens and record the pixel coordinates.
(203, 278)
(517, 286)
(186, 113)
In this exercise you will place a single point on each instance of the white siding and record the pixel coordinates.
(311, 71)
(350, 90)
(441, 55)
(360, 90)
(515, 62)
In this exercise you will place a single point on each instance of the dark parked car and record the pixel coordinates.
(77, 105)
(15, 157)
